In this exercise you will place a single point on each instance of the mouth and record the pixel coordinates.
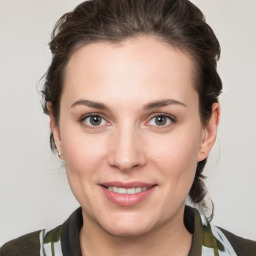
(127, 194)
(128, 191)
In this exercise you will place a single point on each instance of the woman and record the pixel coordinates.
(132, 95)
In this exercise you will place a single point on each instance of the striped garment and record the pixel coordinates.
(208, 240)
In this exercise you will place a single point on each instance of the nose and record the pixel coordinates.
(126, 150)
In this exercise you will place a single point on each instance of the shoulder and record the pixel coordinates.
(226, 242)
(209, 239)
(25, 245)
(37, 243)
(61, 240)
(241, 245)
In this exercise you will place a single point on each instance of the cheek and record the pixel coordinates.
(83, 154)
(83, 159)
(176, 151)
(176, 158)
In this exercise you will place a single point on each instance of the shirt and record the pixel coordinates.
(208, 240)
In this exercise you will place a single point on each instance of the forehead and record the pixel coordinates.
(136, 68)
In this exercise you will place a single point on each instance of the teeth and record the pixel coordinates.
(115, 189)
(122, 191)
(138, 190)
(129, 191)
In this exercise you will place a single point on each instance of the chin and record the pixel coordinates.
(128, 231)
(128, 226)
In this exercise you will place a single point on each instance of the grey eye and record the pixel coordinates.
(94, 120)
(160, 120)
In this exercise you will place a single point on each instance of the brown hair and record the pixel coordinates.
(177, 22)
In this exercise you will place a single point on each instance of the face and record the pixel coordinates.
(130, 134)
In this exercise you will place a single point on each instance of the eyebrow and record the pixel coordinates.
(163, 103)
(154, 104)
(89, 103)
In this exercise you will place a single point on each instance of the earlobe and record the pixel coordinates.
(209, 133)
(55, 130)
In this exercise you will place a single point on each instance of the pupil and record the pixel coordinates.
(95, 120)
(161, 120)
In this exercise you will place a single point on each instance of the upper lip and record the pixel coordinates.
(134, 184)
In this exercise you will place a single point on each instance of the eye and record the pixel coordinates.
(93, 120)
(161, 120)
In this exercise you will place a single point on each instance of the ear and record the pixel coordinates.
(55, 129)
(209, 133)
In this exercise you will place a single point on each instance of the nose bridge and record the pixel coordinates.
(126, 151)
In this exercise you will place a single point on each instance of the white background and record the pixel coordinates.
(33, 189)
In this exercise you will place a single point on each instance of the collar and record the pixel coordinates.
(207, 240)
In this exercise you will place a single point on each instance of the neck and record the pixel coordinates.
(170, 238)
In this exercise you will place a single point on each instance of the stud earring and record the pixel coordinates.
(59, 155)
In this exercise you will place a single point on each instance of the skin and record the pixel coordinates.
(129, 145)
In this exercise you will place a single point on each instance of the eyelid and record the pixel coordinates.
(172, 118)
(83, 117)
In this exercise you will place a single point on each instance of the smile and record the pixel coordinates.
(127, 194)
(128, 191)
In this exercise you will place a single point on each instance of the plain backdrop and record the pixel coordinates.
(34, 193)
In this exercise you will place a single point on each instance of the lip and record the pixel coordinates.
(127, 199)
(133, 184)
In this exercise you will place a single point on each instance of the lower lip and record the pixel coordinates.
(127, 199)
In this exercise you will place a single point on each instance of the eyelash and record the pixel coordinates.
(83, 118)
(171, 119)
